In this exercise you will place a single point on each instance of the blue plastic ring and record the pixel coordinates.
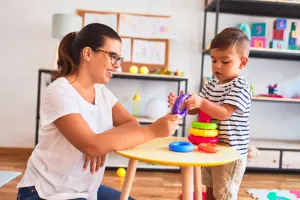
(181, 146)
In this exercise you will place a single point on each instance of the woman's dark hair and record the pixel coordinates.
(92, 35)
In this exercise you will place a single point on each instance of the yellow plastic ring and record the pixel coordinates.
(204, 133)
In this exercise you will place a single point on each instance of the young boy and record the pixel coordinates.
(227, 99)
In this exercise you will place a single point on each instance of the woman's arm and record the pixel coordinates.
(127, 134)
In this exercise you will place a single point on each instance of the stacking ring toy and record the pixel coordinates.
(203, 133)
(209, 148)
(177, 104)
(181, 146)
(198, 139)
(201, 125)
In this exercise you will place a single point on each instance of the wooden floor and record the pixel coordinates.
(147, 185)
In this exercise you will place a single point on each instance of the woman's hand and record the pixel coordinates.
(95, 163)
(166, 125)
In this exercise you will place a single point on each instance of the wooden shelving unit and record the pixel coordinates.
(288, 100)
(279, 54)
(275, 155)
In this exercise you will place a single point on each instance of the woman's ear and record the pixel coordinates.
(244, 62)
(86, 53)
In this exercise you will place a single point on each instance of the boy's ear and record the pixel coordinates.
(244, 62)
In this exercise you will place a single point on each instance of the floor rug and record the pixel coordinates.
(262, 194)
(6, 176)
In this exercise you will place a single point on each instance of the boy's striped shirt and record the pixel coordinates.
(235, 130)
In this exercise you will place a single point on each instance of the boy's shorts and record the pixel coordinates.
(225, 180)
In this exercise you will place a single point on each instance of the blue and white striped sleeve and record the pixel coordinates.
(239, 96)
(203, 92)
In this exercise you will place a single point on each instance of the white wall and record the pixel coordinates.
(27, 45)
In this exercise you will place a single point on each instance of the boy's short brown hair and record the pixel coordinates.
(232, 37)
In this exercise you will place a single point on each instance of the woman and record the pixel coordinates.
(82, 119)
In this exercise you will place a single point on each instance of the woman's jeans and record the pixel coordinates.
(104, 193)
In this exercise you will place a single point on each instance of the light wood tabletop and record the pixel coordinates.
(157, 151)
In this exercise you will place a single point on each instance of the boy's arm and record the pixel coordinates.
(216, 111)
(202, 94)
(238, 99)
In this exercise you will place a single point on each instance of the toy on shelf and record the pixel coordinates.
(144, 70)
(246, 28)
(204, 134)
(252, 89)
(293, 37)
(258, 35)
(156, 108)
(272, 92)
(279, 26)
(136, 105)
(165, 71)
(272, 89)
(206, 79)
(133, 69)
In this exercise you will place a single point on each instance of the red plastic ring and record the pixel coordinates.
(198, 139)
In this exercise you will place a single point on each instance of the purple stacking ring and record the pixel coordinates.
(177, 104)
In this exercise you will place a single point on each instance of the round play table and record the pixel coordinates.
(157, 151)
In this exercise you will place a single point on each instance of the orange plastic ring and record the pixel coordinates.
(209, 148)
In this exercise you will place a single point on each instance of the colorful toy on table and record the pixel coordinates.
(258, 35)
(181, 146)
(204, 134)
(279, 26)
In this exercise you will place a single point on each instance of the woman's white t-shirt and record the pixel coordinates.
(55, 167)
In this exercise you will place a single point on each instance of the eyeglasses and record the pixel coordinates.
(115, 58)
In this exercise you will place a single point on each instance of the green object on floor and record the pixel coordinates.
(273, 196)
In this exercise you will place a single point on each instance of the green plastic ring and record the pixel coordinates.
(201, 125)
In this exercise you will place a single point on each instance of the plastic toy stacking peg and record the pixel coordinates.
(203, 117)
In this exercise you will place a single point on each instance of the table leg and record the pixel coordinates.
(132, 165)
(198, 183)
(187, 183)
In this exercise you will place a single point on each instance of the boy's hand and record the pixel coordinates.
(172, 98)
(193, 102)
